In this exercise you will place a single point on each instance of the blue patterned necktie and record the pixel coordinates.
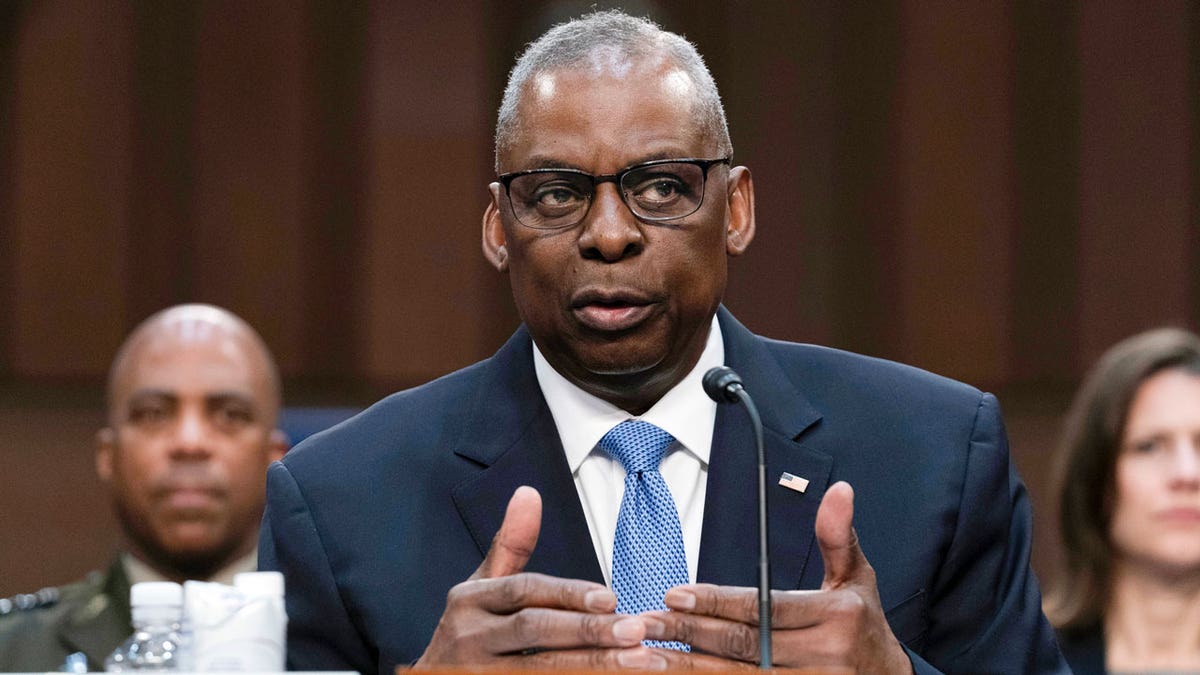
(648, 554)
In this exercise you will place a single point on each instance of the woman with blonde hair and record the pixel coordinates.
(1129, 511)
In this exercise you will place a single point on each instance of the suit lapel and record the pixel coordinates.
(510, 432)
(101, 623)
(729, 540)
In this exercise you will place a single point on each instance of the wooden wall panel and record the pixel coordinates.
(867, 48)
(331, 237)
(428, 296)
(160, 237)
(1194, 154)
(1135, 158)
(783, 285)
(250, 193)
(956, 186)
(71, 179)
(1045, 227)
(11, 18)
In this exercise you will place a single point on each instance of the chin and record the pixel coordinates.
(1181, 562)
(192, 539)
(619, 363)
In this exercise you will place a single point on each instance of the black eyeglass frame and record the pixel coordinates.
(506, 180)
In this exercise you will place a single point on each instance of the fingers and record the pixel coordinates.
(789, 609)
(718, 636)
(822, 644)
(518, 536)
(844, 559)
(512, 593)
(729, 602)
(492, 620)
(636, 658)
(539, 629)
(810, 628)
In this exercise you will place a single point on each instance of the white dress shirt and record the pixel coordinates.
(685, 412)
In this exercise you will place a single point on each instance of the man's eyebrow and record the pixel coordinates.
(544, 162)
(665, 154)
(230, 395)
(148, 393)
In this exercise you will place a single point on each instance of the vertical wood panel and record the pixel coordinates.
(1194, 154)
(781, 108)
(11, 15)
(1135, 190)
(330, 285)
(428, 295)
(867, 49)
(161, 239)
(1045, 321)
(71, 182)
(956, 171)
(250, 200)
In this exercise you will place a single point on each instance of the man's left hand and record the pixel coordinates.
(841, 625)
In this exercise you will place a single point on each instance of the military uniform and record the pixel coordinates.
(38, 631)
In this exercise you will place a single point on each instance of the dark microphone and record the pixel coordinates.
(725, 386)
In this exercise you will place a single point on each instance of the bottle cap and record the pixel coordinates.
(161, 593)
(256, 584)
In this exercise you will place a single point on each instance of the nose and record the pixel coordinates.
(1185, 463)
(610, 232)
(191, 436)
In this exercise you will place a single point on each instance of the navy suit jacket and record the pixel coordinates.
(372, 522)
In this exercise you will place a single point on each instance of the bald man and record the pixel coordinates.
(193, 399)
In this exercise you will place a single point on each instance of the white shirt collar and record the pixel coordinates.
(685, 412)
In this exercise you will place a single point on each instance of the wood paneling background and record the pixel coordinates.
(993, 191)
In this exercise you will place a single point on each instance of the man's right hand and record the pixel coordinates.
(503, 616)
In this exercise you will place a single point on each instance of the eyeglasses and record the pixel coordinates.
(551, 199)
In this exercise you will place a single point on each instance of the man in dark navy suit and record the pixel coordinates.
(478, 520)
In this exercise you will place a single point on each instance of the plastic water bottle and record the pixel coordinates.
(155, 644)
(239, 628)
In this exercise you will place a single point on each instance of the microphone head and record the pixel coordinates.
(722, 384)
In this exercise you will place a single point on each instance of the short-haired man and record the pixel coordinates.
(614, 215)
(193, 397)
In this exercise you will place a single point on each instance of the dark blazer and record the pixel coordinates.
(373, 522)
(90, 616)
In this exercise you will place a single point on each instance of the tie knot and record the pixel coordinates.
(637, 445)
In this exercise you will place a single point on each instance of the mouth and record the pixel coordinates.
(191, 499)
(612, 311)
(1181, 515)
(191, 494)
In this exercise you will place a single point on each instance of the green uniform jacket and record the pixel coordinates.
(90, 616)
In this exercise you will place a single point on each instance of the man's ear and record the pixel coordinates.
(494, 248)
(740, 231)
(106, 445)
(277, 445)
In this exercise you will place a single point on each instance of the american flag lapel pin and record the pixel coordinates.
(791, 482)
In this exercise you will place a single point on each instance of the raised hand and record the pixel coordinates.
(841, 625)
(504, 616)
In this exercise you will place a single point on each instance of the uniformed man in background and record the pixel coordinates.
(193, 399)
